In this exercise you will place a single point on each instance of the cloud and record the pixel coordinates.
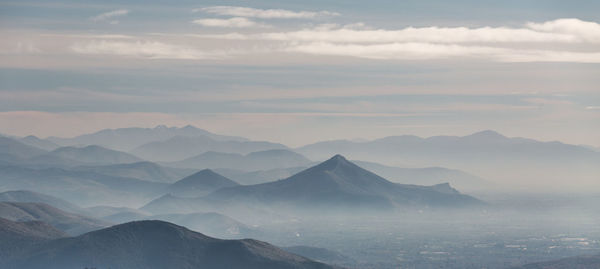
(143, 49)
(111, 14)
(264, 13)
(562, 40)
(584, 31)
(237, 22)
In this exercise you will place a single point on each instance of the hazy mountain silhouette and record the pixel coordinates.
(126, 139)
(182, 147)
(22, 196)
(94, 155)
(141, 170)
(427, 176)
(12, 150)
(254, 161)
(67, 222)
(155, 244)
(79, 186)
(577, 262)
(338, 181)
(334, 183)
(488, 154)
(34, 141)
(200, 183)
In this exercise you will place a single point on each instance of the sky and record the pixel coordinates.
(298, 72)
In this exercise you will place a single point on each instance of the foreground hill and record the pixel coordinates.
(155, 244)
(577, 262)
(67, 222)
(254, 161)
(17, 236)
(335, 183)
(200, 183)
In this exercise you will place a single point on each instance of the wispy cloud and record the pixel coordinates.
(237, 22)
(264, 13)
(143, 49)
(109, 15)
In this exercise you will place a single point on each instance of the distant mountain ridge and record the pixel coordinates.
(126, 139)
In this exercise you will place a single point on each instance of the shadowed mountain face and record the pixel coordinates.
(200, 183)
(70, 223)
(155, 244)
(126, 139)
(183, 147)
(578, 262)
(255, 161)
(16, 236)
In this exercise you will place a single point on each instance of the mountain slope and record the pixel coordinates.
(126, 139)
(338, 182)
(140, 170)
(94, 155)
(333, 184)
(254, 161)
(505, 160)
(12, 150)
(34, 141)
(427, 176)
(156, 244)
(22, 196)
(68, 222)
(83, 188)
(200, 183)
(17, 236)
(182, 147)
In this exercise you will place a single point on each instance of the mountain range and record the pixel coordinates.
(126, 139)
(335, 183)
(487, 153)
(182, 147)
